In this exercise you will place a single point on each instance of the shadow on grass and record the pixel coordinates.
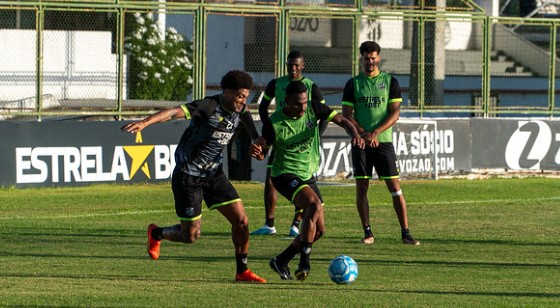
(355, 289)
(439, 241)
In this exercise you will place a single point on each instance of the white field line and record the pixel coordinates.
(123, 213)
(88, 215)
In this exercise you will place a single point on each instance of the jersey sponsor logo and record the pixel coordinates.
(529, 145)
(94, 163)
(222, 137)
(372, 101)
(300, 146)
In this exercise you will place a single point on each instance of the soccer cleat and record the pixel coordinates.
(249, 276)
(282, 269)
(294, 231)
(409, 240)
(264, 230)
(301, 273)
(368, 239)
(153, 245)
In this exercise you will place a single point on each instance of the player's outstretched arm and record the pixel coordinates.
(350, 129)
(158, 117)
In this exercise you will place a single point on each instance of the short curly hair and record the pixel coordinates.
(369, 47)
(295, 87)
(236, 80)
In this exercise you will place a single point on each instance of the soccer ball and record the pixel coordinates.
(343, 270)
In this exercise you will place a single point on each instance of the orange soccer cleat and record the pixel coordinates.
(249, 276)
(153, 245)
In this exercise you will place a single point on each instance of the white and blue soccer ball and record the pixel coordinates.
(343, 270)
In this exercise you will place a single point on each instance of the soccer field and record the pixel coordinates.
(484, 243)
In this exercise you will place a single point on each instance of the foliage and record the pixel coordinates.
(160, 67)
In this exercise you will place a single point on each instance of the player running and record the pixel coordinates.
(294, 133)
(199, 174)
(276, 89)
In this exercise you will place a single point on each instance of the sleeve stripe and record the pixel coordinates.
(333, 113)
(187, 112)
(396, 100)
(347, 104)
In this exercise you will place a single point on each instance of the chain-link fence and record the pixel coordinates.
(129, 58)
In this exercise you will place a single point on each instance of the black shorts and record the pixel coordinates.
(288, 185)
(383, 158)
(189, 191)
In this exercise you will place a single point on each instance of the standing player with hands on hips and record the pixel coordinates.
(372, 101)
(199, 174)
(294, 133)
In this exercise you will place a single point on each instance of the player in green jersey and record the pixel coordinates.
(371, 101)
(294, 133)
(276, 90)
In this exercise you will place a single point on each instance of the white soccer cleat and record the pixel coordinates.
(264, 230)
(294, 231)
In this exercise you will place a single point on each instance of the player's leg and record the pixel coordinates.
(296, 221)
(312, 227)
(270, 200)
(386, 167)
(362, 205)
(187, 192)
(220, 194)
(235, 214)
(280, 262)
(363, 166)
(399, 204)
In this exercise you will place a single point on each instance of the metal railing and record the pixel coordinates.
(77, 58)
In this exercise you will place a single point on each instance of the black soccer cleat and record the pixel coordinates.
(408, 239)
(282, 269)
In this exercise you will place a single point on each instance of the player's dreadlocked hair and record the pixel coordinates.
(236, 80)
(369, 47)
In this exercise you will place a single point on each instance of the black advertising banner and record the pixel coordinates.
(71, 153)
(81, 152)
(516, 144)
(420, 145)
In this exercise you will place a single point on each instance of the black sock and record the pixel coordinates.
(157, 234)
(304, 256)
(296, 223)
(287, 255)
(404, 231)
(367, 231)
(270, 222)
(241, 261)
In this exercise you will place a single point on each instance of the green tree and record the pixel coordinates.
(160, 68)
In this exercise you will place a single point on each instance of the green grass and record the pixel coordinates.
(490, 243)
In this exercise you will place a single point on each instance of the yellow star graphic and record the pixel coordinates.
(139, 153)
